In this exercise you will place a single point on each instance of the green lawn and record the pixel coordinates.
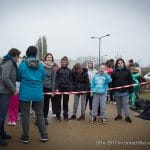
(145, 96)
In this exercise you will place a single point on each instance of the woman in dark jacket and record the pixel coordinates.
(80, 83)
(122, 76)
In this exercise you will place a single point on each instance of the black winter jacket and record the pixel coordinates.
(121, 78)
(63, 79)
(80, 81)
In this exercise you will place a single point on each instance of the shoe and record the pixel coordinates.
(82, 117)
(3, 142)
(66, 118)
(54, 115)
(119, 117)
(44, 138)
(5, 136)
(13, 123)
(104, 121)
(9, 123)
(93, 120)
(114, 103)
(72, 117)
(46, 121)
(58, 118)
(128, 119)
(24, 140)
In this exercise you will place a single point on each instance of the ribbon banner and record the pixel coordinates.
(84, 92)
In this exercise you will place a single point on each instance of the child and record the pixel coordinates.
(91, 72)
(121, 76)
(63, 84)
(13, 108)
(80, 83)
(99, 86)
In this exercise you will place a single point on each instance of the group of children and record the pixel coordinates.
(63, 79)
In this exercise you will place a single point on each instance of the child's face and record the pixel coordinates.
(90, 64)
(63, 63)
(102, 69)
(120, 63)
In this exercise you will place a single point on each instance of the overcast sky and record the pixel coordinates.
(69, 24)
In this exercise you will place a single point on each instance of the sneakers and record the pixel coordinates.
(58, 118)
(11, 123)
(128, 119)
(93, 120)
(5, 136)
(24, 140)
(66, 118)
(82, 117)
(3, 142)
(54, 115)
(119, 117)
(104, 121)
(44, 139)
(72, 117)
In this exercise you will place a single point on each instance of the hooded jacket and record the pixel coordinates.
(99, 84)
(31, 74)
(8, 69)
(80, 81)
(91, 71)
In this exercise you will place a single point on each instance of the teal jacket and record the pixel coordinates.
(99, 83)
(31, 75)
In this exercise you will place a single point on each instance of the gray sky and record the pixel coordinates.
(69, 24)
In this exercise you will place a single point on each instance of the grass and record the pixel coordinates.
(145, 96)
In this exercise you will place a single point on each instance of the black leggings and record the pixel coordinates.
(46, 103)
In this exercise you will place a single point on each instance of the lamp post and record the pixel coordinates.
(99, 38)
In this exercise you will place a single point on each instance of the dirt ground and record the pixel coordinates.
(83, 135)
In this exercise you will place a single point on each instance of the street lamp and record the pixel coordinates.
(99, 38)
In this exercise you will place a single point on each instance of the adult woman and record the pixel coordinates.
(8, 69)
(31, 74)
(48, 84)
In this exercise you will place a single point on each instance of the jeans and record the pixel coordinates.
(4, 105)
(76, 102)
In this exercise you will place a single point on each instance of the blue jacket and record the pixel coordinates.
(31, 74)
(99, 83)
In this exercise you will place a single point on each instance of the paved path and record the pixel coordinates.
(83, 135)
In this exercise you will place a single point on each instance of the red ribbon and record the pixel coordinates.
(84, 92)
